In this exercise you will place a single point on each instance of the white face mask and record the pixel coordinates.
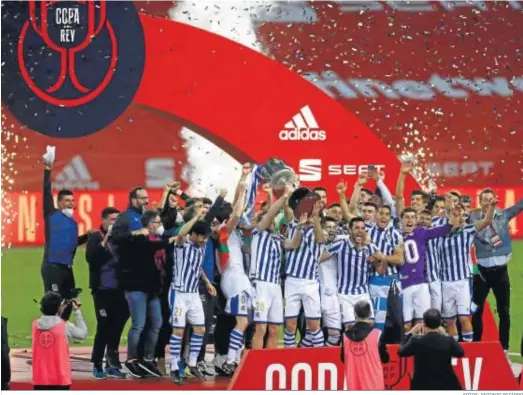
(68, 212)
(160, 230)
(109, 228)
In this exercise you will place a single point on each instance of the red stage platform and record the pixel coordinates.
(147, 385)
(82, 378)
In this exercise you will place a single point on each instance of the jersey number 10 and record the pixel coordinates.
(411, 252)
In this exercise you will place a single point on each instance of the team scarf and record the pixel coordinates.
(223, 248)
(379, 292)
(253, 183)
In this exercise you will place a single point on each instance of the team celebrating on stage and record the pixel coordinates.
(299, 262)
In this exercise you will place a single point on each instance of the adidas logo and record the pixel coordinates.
(75, 175)
(303, 127)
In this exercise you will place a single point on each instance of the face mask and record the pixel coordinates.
(179, 217)
(110, 228)
(68, 212)
(160, 230)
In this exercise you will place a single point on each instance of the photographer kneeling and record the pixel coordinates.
(51, 361)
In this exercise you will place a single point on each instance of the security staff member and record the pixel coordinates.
(61, 238)
(111, 308)
(493, 252)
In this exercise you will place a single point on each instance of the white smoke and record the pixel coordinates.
(209, 167)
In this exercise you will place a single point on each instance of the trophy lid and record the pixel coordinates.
(302, 201)
(297, 196)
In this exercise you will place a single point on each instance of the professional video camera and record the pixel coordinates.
(68, 303)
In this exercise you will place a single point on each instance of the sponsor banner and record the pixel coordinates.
(484, 367)
(26, 226)
(419, 74)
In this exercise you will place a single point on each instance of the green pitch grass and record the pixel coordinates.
(21, 283)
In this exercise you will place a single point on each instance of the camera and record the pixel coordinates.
(68, 303)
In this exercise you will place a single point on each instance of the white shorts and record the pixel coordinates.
(456, 298)
(300, 292)
(347, 303)
(330, 311)
(267, 303)
(416, 300)
(239, 305)
(436, 299)
(185, 308)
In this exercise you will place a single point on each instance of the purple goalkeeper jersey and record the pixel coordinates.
(412, 272)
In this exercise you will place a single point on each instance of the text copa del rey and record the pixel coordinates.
(66, 18)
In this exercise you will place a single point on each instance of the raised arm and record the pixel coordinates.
(246, 170)
(319, 234)
(238, 207)
(47, 193)
(355, 198)
(268, 218)
(296, 241)
(386, 196)
(400, 186)
(216, 207)
(186, 228)
(268, 190)
(487, 219)
(438, 231)
(341, 188)
(514, 210)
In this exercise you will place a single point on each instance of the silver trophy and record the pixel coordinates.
(277, 173)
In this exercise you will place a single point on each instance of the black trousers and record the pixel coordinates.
(58, 278)
(51, 387)
(165, 330)
(112, 313)
(495, 278)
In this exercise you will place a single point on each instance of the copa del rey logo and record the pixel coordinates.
(302, 127)
(67, 28)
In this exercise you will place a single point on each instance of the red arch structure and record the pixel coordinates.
(241, 100)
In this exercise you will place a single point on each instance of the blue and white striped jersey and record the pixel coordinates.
(369, 226)
(353, 266)
(266, 256)
(303, 262)
(433, 252)
(439, 221)
(456, 261)
(433, 259)
(188, 258)
(342, 228)
(386, 240)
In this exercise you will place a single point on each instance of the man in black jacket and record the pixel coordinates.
(433, 351)
(141, 259)
(111, 309)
